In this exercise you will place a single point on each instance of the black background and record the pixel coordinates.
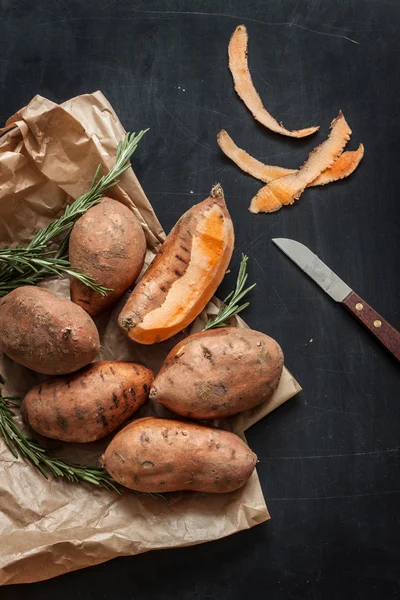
(329, 459)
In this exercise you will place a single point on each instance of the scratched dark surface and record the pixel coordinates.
(329, 459)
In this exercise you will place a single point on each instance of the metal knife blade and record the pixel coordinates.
(340, 291)
(315, 268)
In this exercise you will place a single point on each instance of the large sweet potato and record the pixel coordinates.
(162, 455)
(90, 404)
(108, 244)
(184, 275)
(46, 333)
(219, 372)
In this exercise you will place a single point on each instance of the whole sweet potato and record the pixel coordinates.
(90, 404)
(108, 244)
(46, 333)
(162, 455)
(184, 275)
(219, 372)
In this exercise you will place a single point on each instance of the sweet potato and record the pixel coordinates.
(245, 89)
(108, 244)
(162, 455)
(90, 404)
(46, 333)
(184, 275)
(219, 372)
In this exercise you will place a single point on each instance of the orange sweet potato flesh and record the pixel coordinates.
(184, 275)
(289, 188)
(163, 455)
(343, 166)
(237, 52)
(90, 404)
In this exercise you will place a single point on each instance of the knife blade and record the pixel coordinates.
(339, 291)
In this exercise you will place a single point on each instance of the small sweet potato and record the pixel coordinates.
(184, 275)
(46, 333)
(108, 244)
(219, 372)
(161, 455)
(90, 404)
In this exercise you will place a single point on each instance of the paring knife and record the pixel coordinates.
(340, 292)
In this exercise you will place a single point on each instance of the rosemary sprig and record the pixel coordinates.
(231, 304)
(34, 266)
(125, 149)
(21, 446)
(28, 266)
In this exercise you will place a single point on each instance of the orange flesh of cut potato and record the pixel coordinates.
(289, 188)
(208, 248)
(148, 316)
(343, 166)
(238, 65)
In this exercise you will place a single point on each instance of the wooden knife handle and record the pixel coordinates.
(385, 333)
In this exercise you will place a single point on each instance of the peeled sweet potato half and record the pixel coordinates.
(108, 244)
(184, 275)
(289, 188)
(245, 89)
(90, 404)
(162, 455)
(343, 166)
(217, 373)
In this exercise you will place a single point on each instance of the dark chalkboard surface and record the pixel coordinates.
(329, 459)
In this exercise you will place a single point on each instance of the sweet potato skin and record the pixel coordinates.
(219, 372)
(90, 404)
(238, 65)
(285, 190)
(108, 244)
(180, 264)
(46, 333)
(162, 455)
(343, 166)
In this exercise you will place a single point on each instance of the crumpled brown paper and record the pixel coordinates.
(48, 155)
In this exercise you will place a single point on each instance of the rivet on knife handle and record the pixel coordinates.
(381, 329)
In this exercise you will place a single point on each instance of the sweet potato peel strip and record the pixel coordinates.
(248, 163)
(343, 166)
(245, 89)
(289, 188)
